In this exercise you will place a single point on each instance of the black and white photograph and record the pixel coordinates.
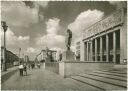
(63, 45)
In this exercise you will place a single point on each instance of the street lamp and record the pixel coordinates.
(5, 27)
(19, 54)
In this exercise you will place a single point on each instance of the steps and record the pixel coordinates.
(112, 74)
(104, 79)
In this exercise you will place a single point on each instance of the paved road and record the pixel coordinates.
(40, 79)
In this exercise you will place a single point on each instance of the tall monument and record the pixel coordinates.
(68, 55)
(68, 39)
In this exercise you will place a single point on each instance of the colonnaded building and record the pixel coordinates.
(106, 40)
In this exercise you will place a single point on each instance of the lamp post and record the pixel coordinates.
(19, 54)
(5, 27)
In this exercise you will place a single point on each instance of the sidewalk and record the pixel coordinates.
(9, 70)
(40, 79)
(5, 75)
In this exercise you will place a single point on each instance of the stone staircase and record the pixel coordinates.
(113, 79)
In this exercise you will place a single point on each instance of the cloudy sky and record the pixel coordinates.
(35, 25)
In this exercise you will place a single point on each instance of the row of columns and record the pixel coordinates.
(89, 52)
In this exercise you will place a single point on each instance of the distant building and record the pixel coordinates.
(10, 57)
(54, 55)
(26, 58)
(43, 55)
(51, 56)
(2, 55)
(106, 40)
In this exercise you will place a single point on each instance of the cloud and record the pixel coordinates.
(52, 26)
(30, 50)
(84, 20)
(56, 49)
(13, 40)
(16, 13)
(52, 38)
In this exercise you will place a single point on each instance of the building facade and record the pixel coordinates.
(10, 58)
(106, 40)
(26, 58)
(44, 56)
(54, 56)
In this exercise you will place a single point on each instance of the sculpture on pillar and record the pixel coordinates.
(68, 39)
(68, 55)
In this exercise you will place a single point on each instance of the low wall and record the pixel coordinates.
(52, 66)
(66, 69)
(75, 68)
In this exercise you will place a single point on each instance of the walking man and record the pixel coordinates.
(25, 69)
(21, 69)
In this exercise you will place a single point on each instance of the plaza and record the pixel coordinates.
(64, 46)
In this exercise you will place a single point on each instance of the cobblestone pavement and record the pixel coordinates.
(40, 79)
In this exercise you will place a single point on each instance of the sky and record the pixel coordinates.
(33, 25)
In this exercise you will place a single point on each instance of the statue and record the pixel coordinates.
(68, 55)
(68, 39)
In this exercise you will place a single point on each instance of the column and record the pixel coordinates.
(101, 49)
(107, 48)
(95, 49)
(114, 47)
(87, 52)
(82, 51)
(91, 53)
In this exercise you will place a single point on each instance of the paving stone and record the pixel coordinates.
(40, 79)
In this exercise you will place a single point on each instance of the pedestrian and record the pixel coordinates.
(25, 69)
(38, 65)
(32, 65)
(29, 66)
(21, 69)
(60, 56)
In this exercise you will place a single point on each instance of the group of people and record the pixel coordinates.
(33, 65)
(23, 69)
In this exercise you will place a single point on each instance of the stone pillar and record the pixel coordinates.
(114, 47)
(101, 49)
(123, 41)
(95, 49)
(91, 52)
(82, 51)
(87, 52)
(107, 48)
